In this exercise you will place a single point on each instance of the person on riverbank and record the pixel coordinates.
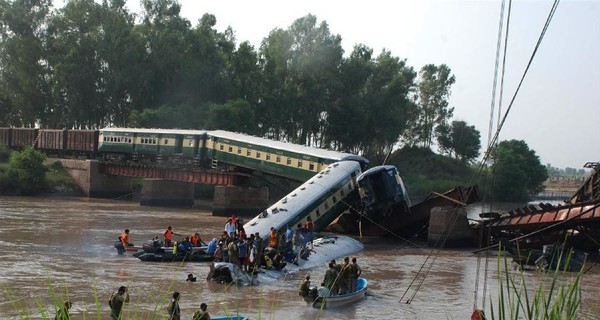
(116, 302)
(310, 227)
(201, 314)
(173, 307)
(63, 312)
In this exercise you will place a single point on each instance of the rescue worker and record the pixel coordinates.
(233, 252)
(289, 235)
(310, 227)
(343, 276)
(196, 240)
(305, 287)
(230, 228)
(116, 301)
(63, 312)
(331, 278)
(353, 273)
(169, 237)
(173, 307)
(201, 314)
(273, 238)
(212, 246)
(123, 242)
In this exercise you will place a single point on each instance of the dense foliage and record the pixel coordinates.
(517, 170)
(92, 64)
(26, 171)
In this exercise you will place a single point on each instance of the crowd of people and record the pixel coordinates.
(339, 279)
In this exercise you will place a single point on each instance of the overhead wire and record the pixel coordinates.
(482, 163)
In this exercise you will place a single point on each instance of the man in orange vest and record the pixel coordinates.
(169, 237)
(123, 242)
(273, 238)
(196, 241)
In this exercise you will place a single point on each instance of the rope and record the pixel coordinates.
(441, 241)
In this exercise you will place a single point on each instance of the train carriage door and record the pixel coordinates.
(178, 144)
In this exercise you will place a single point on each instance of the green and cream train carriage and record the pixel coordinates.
(279, 158)
(152, 144)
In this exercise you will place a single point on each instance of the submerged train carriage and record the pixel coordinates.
(279, 158)
(381, 189)
(323, 198)
(153, 144)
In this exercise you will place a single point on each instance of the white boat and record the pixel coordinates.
(343, 299)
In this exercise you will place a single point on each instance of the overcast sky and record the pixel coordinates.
(557, 111)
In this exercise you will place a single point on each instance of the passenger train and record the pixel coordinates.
(335, 181)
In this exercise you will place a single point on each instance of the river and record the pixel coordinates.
(54, 248)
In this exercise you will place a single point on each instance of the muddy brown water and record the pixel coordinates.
(63, 247)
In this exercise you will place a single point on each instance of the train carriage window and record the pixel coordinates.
(311, 166)
(278, 159)
(289, 161)
(268, 157)
(257, 154)
(230, 149)
(239, 150)
(129, 140)
(299, 163)
(166, 142)
(154, 141)
(249, 153)
(334, 199)
(221, 147)
(326, 205)
(342, 192)
(318, 213)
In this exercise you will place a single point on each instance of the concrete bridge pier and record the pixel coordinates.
(451, 224)
(168, 193)
(93, 183)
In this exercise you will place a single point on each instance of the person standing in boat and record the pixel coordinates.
(331, 278)
(344, 276)
(173, 307)
(201, 314)
(168, 234)
(116, 302)
(354, 271)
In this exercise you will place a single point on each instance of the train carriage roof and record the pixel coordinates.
(155, 131)
(284, 146)
(298, 201)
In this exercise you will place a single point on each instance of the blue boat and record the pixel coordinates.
(343, 299)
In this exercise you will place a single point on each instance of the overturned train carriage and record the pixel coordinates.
(322, 198)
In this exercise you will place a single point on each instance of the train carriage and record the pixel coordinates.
(52, 141)
(5, 134)
(82, 142)
(155, 144)
(23, 137)
(322, 198)
(275, 157)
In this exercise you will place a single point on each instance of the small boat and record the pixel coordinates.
(235, 317)
(343, 299)
(168, 256)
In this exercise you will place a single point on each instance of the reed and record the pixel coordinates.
(556, 296)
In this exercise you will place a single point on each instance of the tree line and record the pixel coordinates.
(90, 65)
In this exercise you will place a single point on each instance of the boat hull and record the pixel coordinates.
(170, 257)
(344, 299)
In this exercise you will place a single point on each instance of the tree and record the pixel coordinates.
(434, 91)
(518, 171)
(24, 72)
(26, 170)
(459, 140)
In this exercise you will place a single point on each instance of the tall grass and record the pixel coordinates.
(557, 296)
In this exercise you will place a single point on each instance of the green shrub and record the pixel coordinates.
(26, 171)
(4, 153)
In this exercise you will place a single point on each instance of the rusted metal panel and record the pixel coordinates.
(82, 140)
(23, 137)
(51, 139)
(5, 136)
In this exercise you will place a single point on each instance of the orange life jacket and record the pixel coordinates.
(195, 240)
(124, 239)
(168, 235)
(273, 239)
